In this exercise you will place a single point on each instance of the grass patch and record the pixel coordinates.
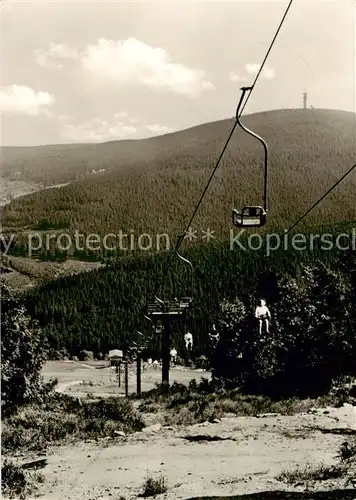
(34, 427)
(204, 401)
(153, 487)
(312, 472)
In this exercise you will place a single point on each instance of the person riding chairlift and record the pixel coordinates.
(263, 314)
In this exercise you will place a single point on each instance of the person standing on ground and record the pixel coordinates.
(173, 354)
(214, 337)
(188, 338)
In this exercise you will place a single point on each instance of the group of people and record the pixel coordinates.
(154, 364)
(188, 339)
(262, 314)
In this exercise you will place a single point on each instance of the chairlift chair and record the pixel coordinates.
(186, 301)
(249, 217)
(176, 307)
(252, 216)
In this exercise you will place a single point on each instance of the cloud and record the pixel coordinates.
(97, 130)
(267, 72)
(159, 129)
(252, 68)
(19, 99)
(118, 127)
(234, 77)
(129, 62)
(122, 115)
(49, 58)
(132, 61)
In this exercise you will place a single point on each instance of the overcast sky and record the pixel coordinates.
(81, 71)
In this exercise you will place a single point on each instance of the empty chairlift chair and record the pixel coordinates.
(252, 216)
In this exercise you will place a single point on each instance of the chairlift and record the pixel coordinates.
(252, 216)
(249, 217)
(161, 311)
(177, 307)
(186, 301)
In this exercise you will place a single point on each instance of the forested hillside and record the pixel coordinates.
(104, 308)
(151, 186)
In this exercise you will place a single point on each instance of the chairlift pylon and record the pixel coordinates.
(161, 312)
(254, 215)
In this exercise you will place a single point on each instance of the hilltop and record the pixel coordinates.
(62, 163)
(152, 185)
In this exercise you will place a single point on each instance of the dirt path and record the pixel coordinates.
(65, 385)
(94, 379)
(245, 457)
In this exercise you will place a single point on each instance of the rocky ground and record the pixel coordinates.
(233, 457)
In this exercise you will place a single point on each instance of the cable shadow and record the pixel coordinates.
(288, 495)
(205, 438)
(341, 432)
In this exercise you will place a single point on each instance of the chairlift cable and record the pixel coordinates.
(180, 240)
(181, 237)
(267, 54)
(321, 199)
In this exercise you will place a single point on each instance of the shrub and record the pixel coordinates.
(63, 417)
(153, 487)
(348, 450)
(115, 409)
(310, 472)
(86, 355)
(22, 356)
(312, 341)
(15, 482)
